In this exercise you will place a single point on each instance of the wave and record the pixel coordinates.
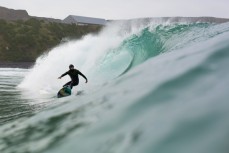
(153, 87)
(117, 49)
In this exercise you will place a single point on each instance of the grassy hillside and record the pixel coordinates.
(26, 40)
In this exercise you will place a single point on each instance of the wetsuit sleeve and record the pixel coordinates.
(64, 74)
(82, 75)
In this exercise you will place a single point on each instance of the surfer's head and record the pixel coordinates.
(71, 66)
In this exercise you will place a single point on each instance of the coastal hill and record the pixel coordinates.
(23, 38)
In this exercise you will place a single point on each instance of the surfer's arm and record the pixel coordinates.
(63, 75)
(83, 75)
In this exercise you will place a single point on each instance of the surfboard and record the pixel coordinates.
(64, 92)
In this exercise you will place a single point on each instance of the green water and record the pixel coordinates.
(158, 89)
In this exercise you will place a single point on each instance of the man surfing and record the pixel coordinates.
(74, 74)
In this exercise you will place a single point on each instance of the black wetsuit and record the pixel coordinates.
(74, 74)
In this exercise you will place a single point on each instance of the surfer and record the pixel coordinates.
(73, 73)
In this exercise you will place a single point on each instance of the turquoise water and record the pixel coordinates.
(153, 88)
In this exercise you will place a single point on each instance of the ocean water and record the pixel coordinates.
(153, 87)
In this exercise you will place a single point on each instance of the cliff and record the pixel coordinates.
(12, 15)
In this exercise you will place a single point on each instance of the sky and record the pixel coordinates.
(121, 9)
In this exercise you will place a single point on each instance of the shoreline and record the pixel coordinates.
(25, 65)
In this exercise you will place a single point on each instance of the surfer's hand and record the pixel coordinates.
(86, 81)
(59, 78)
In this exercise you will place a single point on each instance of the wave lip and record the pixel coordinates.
(179, 20)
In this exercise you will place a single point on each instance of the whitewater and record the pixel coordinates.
(153, 87)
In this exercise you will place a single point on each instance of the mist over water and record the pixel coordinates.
(153, 87)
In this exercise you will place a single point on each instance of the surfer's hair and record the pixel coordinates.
(70, 66)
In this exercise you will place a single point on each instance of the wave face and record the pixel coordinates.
(153, 87)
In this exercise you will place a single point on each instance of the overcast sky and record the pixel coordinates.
(120, 9)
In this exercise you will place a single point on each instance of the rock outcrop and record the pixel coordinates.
(12, 15)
